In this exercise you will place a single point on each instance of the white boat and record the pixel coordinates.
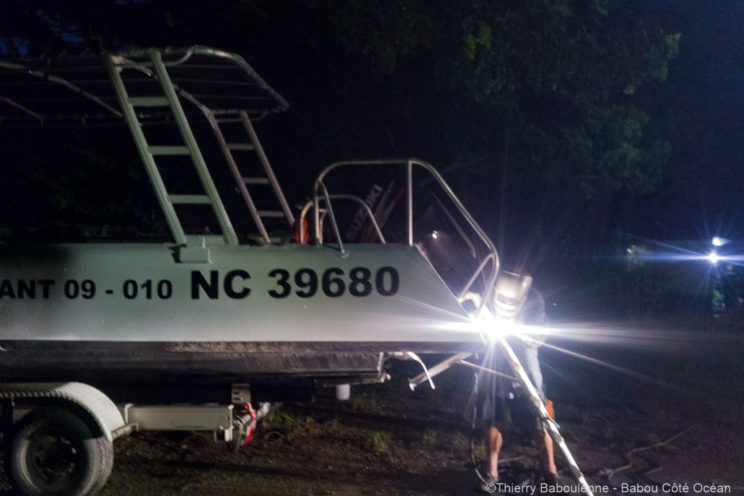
(379, 262)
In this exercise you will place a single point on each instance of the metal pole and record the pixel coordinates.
(316, 216)
(409, 187)
(333, 219)
(548, 422)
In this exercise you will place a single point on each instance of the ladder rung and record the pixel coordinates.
(240, 146)
(189, 199)
(270, 213)
(255, 180)
(148, 101)
(130, 65)
(168, 150)
(225, 120)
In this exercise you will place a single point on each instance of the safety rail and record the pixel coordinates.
(355, 199)
(320, 192)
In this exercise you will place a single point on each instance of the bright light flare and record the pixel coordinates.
(681, 254)
(495, 328)
(662, 341)
(492, 330)
(712, 257)
(718, 241)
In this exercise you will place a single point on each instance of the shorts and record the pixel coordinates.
(517, 409)
(503, 400)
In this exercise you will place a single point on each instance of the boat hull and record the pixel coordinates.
(134, 312)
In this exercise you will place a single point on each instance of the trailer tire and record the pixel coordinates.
(54, 452)
(107, 465)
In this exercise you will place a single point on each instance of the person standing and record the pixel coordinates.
(504, 398)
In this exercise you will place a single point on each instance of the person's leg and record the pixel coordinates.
(545, 444)
(494, 435)
(495, 440)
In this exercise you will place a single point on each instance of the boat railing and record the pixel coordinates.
(323, 203)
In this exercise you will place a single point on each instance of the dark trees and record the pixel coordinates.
(539, 100)
(528, 106)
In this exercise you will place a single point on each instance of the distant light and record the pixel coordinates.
(718, 241)
(713, 257)
(434, 235)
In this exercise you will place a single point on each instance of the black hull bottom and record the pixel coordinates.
(181, 370)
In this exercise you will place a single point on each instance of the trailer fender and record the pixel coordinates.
(92, 401)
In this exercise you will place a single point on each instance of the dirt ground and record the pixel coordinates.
(674, 416)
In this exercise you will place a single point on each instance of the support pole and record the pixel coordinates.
(548, 422)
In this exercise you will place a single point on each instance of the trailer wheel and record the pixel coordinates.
(54, 452)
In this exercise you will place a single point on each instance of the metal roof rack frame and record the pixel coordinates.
(28, 96)
(152, 86)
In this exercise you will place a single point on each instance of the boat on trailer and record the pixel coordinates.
(328, 293)
(186, 333)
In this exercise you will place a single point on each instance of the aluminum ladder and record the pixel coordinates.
(167, 99)
(265, 177)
